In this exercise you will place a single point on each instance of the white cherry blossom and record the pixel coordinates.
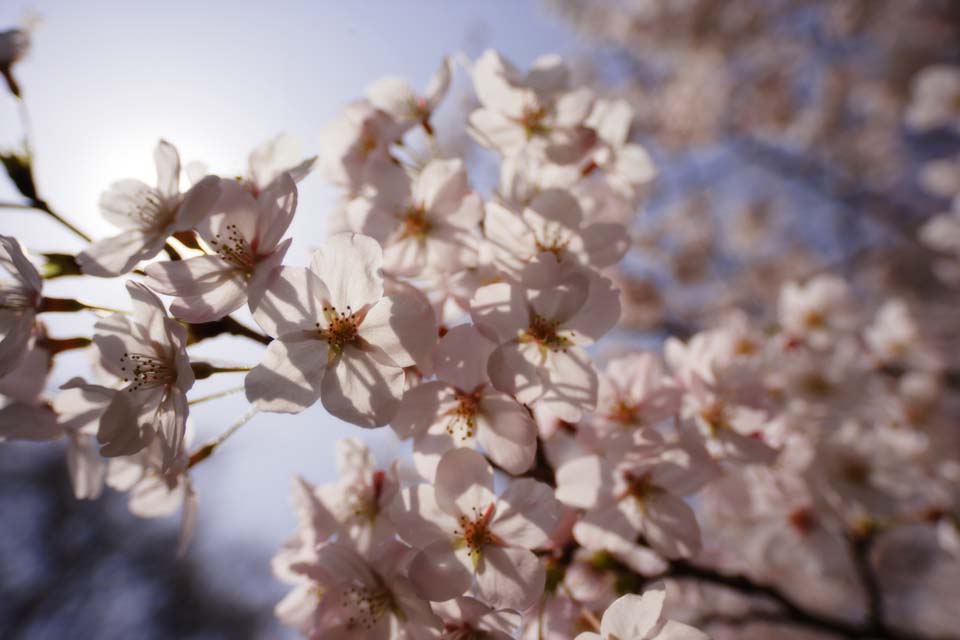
(339, 339)
(147, 350)
(148, 215)
(20, 299)
(244, 235)
(463, 530)
(640, 617)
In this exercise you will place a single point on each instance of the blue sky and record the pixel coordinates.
(106, 79)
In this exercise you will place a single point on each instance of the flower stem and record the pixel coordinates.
(207, 450)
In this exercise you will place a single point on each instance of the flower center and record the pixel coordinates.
(716, 417)
(625, 413)
(341, 329)
(234, 249)
(462, 419)
(144, 371)
(414, 224)
(363, 501)
(474, 532)
(532, 120)
(149, 208)
(367, 604)
(544, 332)
(554, 240)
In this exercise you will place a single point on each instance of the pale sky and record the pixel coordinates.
(105, 79)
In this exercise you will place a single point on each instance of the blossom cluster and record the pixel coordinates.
(554, 490)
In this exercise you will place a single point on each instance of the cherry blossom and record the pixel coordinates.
(467, 617)
(350, 596)
(147, 350)
(541, 333)
(461, 409)
(463, 529)
(339, 338)
(358, 146)
(148, 215)
(244, 235)
(272, 159)
(20, 299)
(521, 109)
(641, 491)
(551, 224)
(394, 96)
(429, 224)
(639, 617)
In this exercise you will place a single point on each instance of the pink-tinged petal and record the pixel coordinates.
(419, 519)
(292, 301)
(148, 314)
(420, 409)
(349, 264)
(226, 298)
(393, 95)
(360, 389)
(674, 630)
(496, 80)
(191, 277)
(188, 517)
(22, 421)
(400, 326)
(500, 311)
(277, 205)
(117, 255)
(437, 572)
(337, 563)
(494, 130)
(587, 635)
(15, 261)
(115, 337)
(670, 526)
(633, 616)
(288, 380)
(598, 315)
(121, 203)
(612, 120)
(354, 458)
(430, 447)
(555, 206)
(167, 159)
(152, 497)
(85, 466)
(197, 203)
(512, 239)
(170, 424)
(314, 517)
(563, 300)
(464, 483)
(583, 482)
(271, 158)
(747, 449)
(605, 529)
(120, 432)
(634, 164)
(510, 578)
(235, 215)
(14, 344)
(507, 432)
(439, 84)
(461, 357)
(605, 243)
(405, 256)
(441, 186)
(514, 369)
(573, 107)
(527, 513)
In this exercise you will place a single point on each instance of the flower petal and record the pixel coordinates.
(508, 577)
(464, 483)
(349, 265)
(288, 380)
(633, 616)
(437, 572)
(360, 389)
(527, 513)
